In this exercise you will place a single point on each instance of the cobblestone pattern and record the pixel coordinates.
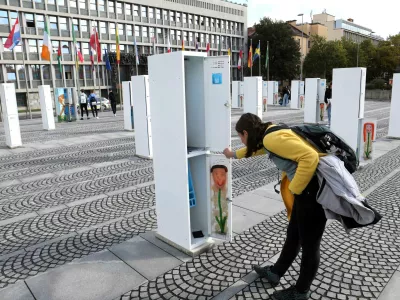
(356, 264)
(63, 195)
(30, 232)
(58, 253)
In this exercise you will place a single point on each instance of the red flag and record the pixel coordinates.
(169, 46)
(240, 59)
(95, 43)
(208, 47)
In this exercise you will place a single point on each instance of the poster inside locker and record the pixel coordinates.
(219, 196)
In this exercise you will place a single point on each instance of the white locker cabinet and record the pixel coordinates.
(46, 107)
(311, 103)
(235, 94)
(253, 96)
(10, 115)
(273, 93)
(394, 122)
(321, 98)
(348, 97)
(297, 94)
(128, 105)
(191, 125)
(265, 95)
(142, 116)
(241, 93)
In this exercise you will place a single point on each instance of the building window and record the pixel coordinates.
(190, 36)
(202, 38)
(217, 23)
(151, 12)
(11, 74)
(72, 4)
(55, 45)
(173, 36)
(159, 33)
(129, 29)
(101, 5)
(88, 72)
(172, 16)
(121, 29)
(111, 6)
(212, 22)
(165, 15)
(119, 8)
(65, 48)
(53, 23)
(112, 28)
(35, 72)
(30, 20)
(184, 18)
(82, 4)
(137, 30)
(222, 24)
(178, 17)
(145, 31)
(84, 26)
(185, 36)
(85, 48)
(196, 19)
(151, 32)
(158, 11)
(63, 23)
(179, 35)
(136, 10)
(128, 9)
(207, 22)
(93, 5)
(103, 27)
(190, 19)
(202, 21)
(144, 12)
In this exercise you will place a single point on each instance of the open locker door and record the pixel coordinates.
(218, 137)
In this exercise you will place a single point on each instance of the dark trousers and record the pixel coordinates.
(305, 230)
(84, 106)
(94, 109)
(114, 107)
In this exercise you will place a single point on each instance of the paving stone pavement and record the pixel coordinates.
(63, 203)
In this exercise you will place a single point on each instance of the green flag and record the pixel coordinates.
(59, 60)
(267, 58)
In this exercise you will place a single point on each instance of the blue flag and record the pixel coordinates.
(108, 65)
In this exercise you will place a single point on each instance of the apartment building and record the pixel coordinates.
(219, 22)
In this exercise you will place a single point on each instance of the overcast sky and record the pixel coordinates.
(382, 16)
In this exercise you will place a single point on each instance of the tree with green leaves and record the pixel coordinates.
(323, 57)
(284, 52)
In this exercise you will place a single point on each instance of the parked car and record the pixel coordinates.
(100, 102)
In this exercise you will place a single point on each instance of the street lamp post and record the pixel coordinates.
(301, 46)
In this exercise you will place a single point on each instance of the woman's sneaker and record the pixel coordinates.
(265, 272)
(291, 294)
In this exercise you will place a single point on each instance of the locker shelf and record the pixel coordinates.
(192, 195)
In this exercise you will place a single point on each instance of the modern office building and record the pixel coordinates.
(218, 22)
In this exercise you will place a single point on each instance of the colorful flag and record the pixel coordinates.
(183, 45)
(257, 53)
(208, 48)
(229, 47)
(168, 45)
(240, 59)
(95, 43)
(91, 59)
(117, 44)
(136, 51)
(59, 59)
(14, 37)
(249, 58)
(267, 58)
(46, 48)
(108, 65)
(78, 56)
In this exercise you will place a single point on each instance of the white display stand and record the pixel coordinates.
(142, 116)
(265, 95)
(273, 93)
(297, 94)
(321, 99)
(191, 125)
(10, 115)
(348, 97)
(311, 101)
(367, 137)
(241, 93)
(394, 122)
(235, 94)
(253, 96)
(46, 107)
(128, 105)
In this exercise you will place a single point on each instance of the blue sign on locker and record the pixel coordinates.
(217, 78)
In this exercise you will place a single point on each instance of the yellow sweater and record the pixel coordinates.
(286, 144)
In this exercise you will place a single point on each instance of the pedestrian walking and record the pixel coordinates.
(83, 104)
(328, 99)
(93, 104)
(299, 187)
(113, 101)
(285, 93)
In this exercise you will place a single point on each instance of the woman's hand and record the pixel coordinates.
(228, 153)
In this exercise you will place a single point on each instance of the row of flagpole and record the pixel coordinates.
(257, 55)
